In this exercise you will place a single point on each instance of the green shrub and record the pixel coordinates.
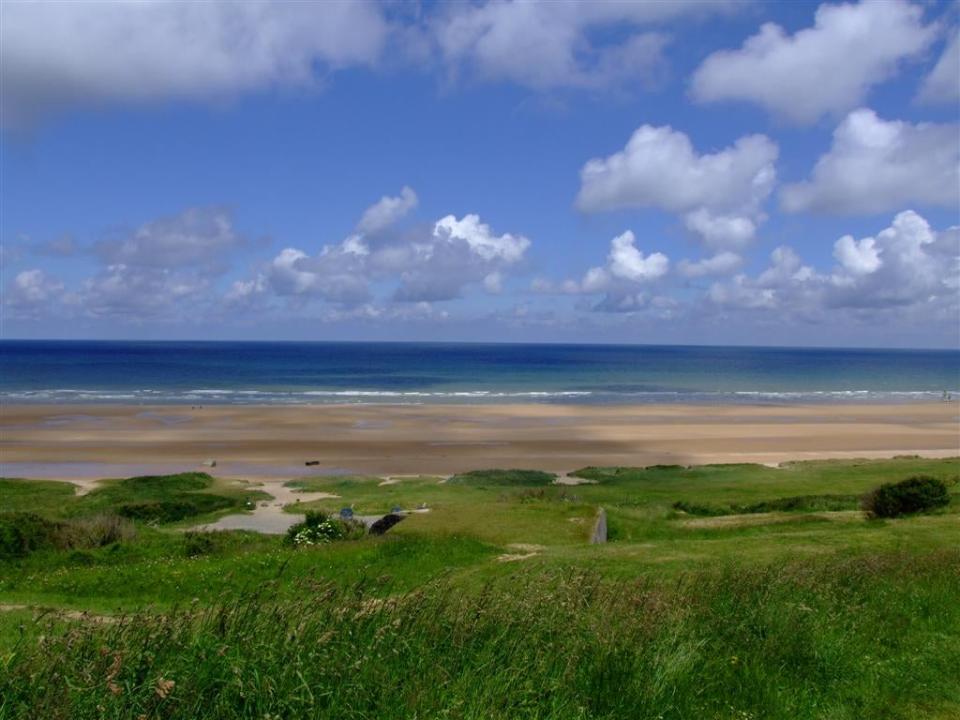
(915, 494)
(158, 511)
(178, 508)
(804, 503)
(22, 533)
(196, 544)
(164, 484)
(489, 478)
(82, 557)
(702, 509)
(100, 530)
(799, 503)
(318, 528)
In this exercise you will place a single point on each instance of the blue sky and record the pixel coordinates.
(716, 172)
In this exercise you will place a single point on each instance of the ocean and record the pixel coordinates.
(329, 372)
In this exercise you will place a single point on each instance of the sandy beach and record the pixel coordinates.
(269, 442)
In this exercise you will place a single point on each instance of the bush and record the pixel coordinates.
(503, 478)
(22, 533)
(82, 557)
(183, 506)
(915, 494)
(799, 503)
(804, 503)
(320, 529)
(163, 484)
(702, 509)
(201, 543)
(100, 531)
(159, 511)
(547, 494)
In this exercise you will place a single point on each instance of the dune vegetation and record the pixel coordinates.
(725, 591)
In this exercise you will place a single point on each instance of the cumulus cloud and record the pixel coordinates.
(904, 264)
(195, 238)
(876, 166)
(942, 85)
(480, 239)
(544, 46)
(743, 294)
(454, 255)
(163, 269)
(722, 263)
(629, 263)
(56, 55)
(857, 257)
(720, 194)
(31, 293)
(137, 294)
(169, 269)
(907, 267)
(425, 264)
(622, 281)
(825, 69)
(387, 211)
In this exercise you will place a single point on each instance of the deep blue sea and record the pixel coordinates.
(294, 372)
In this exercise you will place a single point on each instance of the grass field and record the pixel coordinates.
(773, 597)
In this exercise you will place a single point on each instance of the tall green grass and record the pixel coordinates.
(865, 636)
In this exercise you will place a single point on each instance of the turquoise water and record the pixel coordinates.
(269, 373)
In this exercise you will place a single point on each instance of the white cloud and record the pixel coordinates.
(423, 265)
(722, 263)
(455, 254)
(479, 238)
(243, 291)
(285, 275)
(56, 55)
(741, 293)
(196, 238)
(554, 45)
(720, 194)
(387, 211)
(857, 258)
(627, 262)
(784, 285)
(31, 291)
(905, 268)
(719, 231)
(140, 294)
(619, 281)
(942, 85)
(785, 267)
(903, 264)
(876, 166)
(828, 68)
(163, 270)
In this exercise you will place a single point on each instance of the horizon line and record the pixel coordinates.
(479, 342)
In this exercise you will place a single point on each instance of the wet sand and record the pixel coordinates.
(272, 443)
